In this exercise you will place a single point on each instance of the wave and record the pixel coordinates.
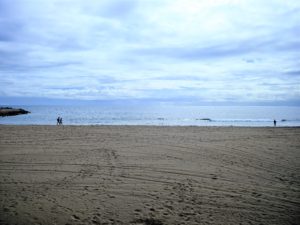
(247, 120)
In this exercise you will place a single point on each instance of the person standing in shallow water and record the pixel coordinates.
(274, 123)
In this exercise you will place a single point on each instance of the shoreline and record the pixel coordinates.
(166, 116)
(122, 125)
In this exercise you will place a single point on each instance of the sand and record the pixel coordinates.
(149, 175)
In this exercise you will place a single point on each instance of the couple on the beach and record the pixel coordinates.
(59, 121)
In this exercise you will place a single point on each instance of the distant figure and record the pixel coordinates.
(57, 120)
(274, 123)
(60, 121)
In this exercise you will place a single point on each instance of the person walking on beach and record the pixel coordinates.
(57, 120)
(274, 123)
(60, 121)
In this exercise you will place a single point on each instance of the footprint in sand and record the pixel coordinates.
(138, 210)
(74, 217)
(96, 222)
(149, 221)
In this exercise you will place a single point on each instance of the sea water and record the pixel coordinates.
(167, 115)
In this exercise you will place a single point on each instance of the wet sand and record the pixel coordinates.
(149, 175)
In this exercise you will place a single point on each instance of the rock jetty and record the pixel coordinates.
(8, 111)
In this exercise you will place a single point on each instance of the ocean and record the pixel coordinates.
(166, 115)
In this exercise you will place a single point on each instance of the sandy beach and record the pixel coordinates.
(63, 175)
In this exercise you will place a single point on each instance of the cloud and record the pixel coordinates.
(124, 49)
(293, 73)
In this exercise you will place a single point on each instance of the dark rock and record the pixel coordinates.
(8, 111)
(206, 119)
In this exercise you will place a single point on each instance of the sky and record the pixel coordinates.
(242, 51)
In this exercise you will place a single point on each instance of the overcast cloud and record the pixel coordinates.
(203, 50)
